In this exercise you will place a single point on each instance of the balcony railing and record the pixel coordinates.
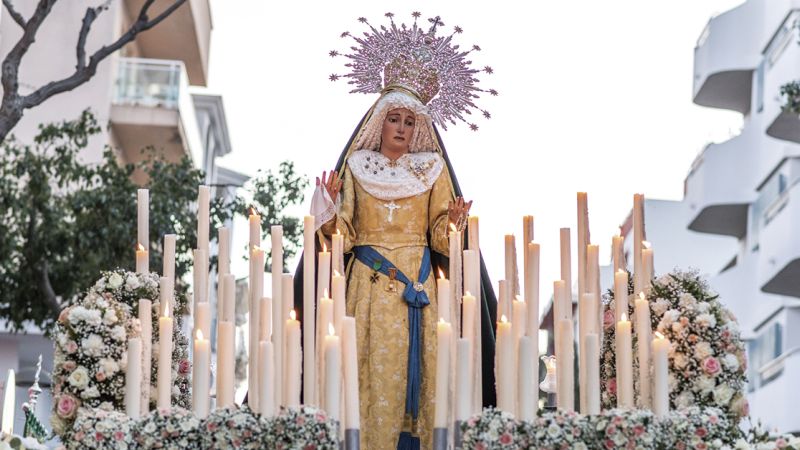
(149, 82)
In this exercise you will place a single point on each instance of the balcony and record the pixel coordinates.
(719, 187)
(780, 245)
(183, 36)
(152, 107)
(776, 402)
(780, 66)
(725, 57)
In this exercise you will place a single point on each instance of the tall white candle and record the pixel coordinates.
(582, 242)
(337, 240)
(624, 359)
(143, 217)
(661, 375)
(463, 380)
(229, 298)
(325, 321)
(254, 332)
(643, 337)
(585, 317)
(333, 373)
(647, 266)
(511, 270)
(203, 227)
(203, 318)
(617, 252)
(292, 365)
(133, 379)
(444, 334)
(9, 404)
(503, 305)
(527, 379)
(278, 316)
(146, 333)
(164, 386)
(592, 368)
(520, 312)
(266, 373)
(565, 355)
(472, 283)
(309, 313)
(223, 264)
(254, 223)
(338, 291)
(566, 272)
(168, 269)
(638, 237)
(443, 297)
(620, 294)
(506, 371)
(532, 299)
(199, 277)
(350, 354)
(468, 315)
(474, 233)
(324, 272)
(226, 346)
(201, 360)
(527, 238)
(265, 321)
(142, 259)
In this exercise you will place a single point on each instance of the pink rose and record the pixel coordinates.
(79, 436)
(184, 367)
(119, 435)
(69, 366)
(506, 439)
(100, 376)
(611, 386)
(701, 432)
(608, 319)
(66, 406)
(62, 317)
(711, 365)
(71, 347)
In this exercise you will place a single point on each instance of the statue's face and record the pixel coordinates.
(398, 127)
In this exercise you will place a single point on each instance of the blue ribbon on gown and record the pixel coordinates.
(416, 299)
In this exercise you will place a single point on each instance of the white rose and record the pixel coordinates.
(132, 282)
(730, 361)
(706, 320)
(118, 333)
(670, 316)
(101, 302)
(741, 444)
(110, 317)
(115, 281)
(660, 306)
(704, 384)
(79, 377)
(687, 301)
(703, 350)
(90, 392)
(703, 307)
(107, 406)
(680, 360)
(723, 394)
(677, 327)
(109, 366)
(93, 345)
(76, 314)
(685, 399)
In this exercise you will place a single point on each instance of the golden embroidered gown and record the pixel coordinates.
(398, 228)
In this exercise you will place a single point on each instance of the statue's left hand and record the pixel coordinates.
(457, 211)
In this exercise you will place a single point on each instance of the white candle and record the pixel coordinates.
(169, 257)
(143, 217)
(506, 371)
(443, 297)
(647, 265)
(324, 272)
(266, 373)
(661, 374)
(338, 251)
(292, 366)
(254, 222)
(203, 199)
(472, 283)
(565, 371)
(203, 318)
(591, 346)
(527, 379)
(463, 380)
(624, 359)
(638, 237)
(142, 259)
(520, 312)
(338, 291)
(199, 277)
(444, 334)
(309, 313)
(511, 270)
(566, 273)
(585, 326)
(254, 304)
(201, 360)
(455, 285)
(265, 322)
(620, 294)
(228, 298)
(287, 303)
(146, 333)
(468, 316)
(474, 233)
(592, 268)
(164, 386)
(617, 252)
(643, 337)
(503, 306)
(561, 301)
(223, 264)
(350, 355)
(133, 379)
(278, 316)
(333, 374)
(532, 299)
(226, 346)
(582, 242)
(9, 404)
(325, 321)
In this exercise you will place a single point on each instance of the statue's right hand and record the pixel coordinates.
(333, 184)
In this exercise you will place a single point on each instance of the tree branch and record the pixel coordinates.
(14, 14)
(46, 289)
(84, 72)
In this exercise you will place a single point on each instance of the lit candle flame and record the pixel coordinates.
(519, 298)
(619, 231)
(292, 315)
(325, 293)
(338, 232)
(646, 244)
(624, 317)
(324, 247)
(620, 271)
(453, 227)
(441, 320)
(467, 294)
(166, 309)
(139, 247)
(331, 331)
(251, 211)
(336, 273)
(641, 296)
(441, 274)
(659, 335)
(257, 249)
(503, 319)
(199, 334)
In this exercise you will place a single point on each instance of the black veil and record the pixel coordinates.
(488, 298)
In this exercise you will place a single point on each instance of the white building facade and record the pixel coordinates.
(743, 189)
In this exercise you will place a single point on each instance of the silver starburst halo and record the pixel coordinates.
(430, 67)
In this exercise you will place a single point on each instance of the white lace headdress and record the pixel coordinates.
(422, 139)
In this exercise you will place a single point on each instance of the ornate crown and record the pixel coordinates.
(428, 66)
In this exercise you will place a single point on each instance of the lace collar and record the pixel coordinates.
(410, 175)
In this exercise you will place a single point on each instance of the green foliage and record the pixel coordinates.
(62, 222)
(791, 93)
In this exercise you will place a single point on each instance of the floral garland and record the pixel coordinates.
(172, 429)
(695, 427)
(300, 428)
(617, 428)
(706, 360)
(231, 428)
(99, 429)
(560, 429)
(493, 428)
(91, 339)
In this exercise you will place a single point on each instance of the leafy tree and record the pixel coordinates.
(63, 221)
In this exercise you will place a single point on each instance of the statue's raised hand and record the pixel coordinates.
(333, 184)
(457, 212)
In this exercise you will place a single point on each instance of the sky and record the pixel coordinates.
(594, 96)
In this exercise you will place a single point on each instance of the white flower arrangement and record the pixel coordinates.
(231, 428)
(300, 428)
(99, 429)
(706, 360)
(618, 428)
(493, 429)
(173, 429)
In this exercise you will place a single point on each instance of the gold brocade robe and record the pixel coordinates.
(381, 315)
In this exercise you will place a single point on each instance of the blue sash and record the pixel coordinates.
(416, 298)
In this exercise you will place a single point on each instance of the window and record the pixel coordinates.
(760, 87)
(760, 352)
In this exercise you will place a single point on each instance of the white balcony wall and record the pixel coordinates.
(781, 64)
(779, 244)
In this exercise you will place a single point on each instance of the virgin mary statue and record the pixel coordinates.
(393, 196)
